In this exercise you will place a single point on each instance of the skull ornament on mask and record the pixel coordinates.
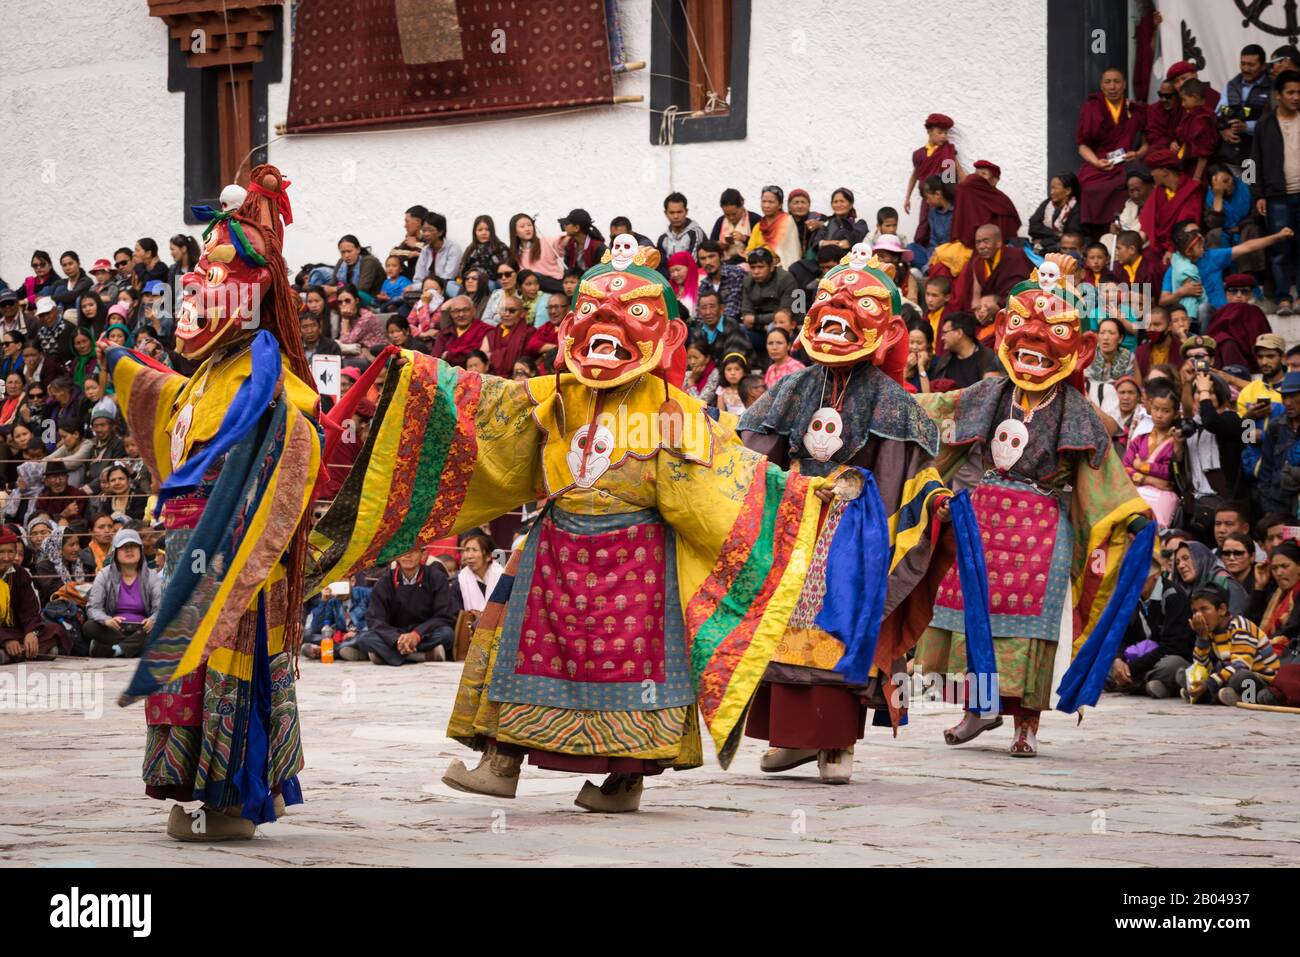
(1049, 275)
(1009, 443)
(860, 255)
(825, 434)
(622, 251)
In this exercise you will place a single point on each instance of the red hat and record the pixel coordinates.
(799, 192)
(994, 168)
(7, 536)
(1161, 158)
(1179, 68)
(1239, 280)
(940, 120)
(102, 264)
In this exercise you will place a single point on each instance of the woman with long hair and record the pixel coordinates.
(484, 250)
(42, 276)
(92, 314)
(844, 228)
(1057, 214)
(316, 303)
(185, 259)
(477, 286)
(478, 571)
(362, 328)
(357, 267)
(535, 252)
(76, 283)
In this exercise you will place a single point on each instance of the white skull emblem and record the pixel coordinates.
(232, 197)
(1009, 443)
(1049, 274)
(622, 251)
(859, 255)
(825, 434)
(602, 445)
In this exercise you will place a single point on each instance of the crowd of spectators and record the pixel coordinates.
(1180, 259)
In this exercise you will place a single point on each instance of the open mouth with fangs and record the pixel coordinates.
(833, 328)
(606, 349)
(1031, 362)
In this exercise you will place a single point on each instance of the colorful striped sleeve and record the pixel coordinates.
(745, 533)
(447, 450)
(146, 392)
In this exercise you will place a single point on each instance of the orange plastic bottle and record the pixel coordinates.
(327, 650)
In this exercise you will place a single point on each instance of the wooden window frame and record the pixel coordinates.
(680, 73)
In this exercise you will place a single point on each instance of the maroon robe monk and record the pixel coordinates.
(1176, 197)
(990, 277)
(1146, 271)
(1103, 192)
(1234, 329)
(927, 165)
(505, 345)
(980, 202)
(1197, 137)
(1161, 122)
(454, 344)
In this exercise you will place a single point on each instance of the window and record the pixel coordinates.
(699, 65)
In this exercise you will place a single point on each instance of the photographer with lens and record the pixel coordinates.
(1212, 436)
(1278, 479)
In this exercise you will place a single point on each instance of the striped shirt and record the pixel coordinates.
(1239, 646)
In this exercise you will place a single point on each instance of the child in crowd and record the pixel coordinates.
(1233, 660)
(395, 284)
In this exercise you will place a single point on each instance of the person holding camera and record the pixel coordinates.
(1212, 433)
(1246, 100)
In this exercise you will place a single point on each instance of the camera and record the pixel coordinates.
(1200, 365)
(1187, 428)
(1228, 112)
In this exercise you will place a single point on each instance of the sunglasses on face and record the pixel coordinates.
(1167, 96)
(1166, 553)
(123, 262)
(1234, 554)
(35, 396)
(505, 272)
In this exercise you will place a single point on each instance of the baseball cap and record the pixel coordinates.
(1272, 341)
(102, 265)
(155, 287)
(578, 217)
(45, 304)
(7, 296)
(1290, 384)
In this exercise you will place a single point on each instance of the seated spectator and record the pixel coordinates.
(726, 280)
(363, 330)
(463, 335)
(1232, 518)
(1196, 566)
(940, 202)
(395, 282)
(325, 619)
(920, 353)
(479, 571)
(1112, 361)
(993, 270)
(1142, 272)
(477, 361)
(411, 615)
(683, 233)
(684, 278)
(780, 362)
(1161, 344)
(735, 366)
(357, 268)
(507, 342)
(73, 450)
(99, 548)
(963, 360)
(732, 229)
(979, 202)
(1259, 400)
(59, 570)
(38, 369)
(63, 501)
(1176, 199)
(1238, 656)
(752, 389)
(23, 636)
(767, 288)
(1228, 218)
(314, 342)
(123, 602)
(938, 293)
(1238, 326)
(544, 343)
(507, 277)
(1057, 214)
(1237, 552)
(701, 371)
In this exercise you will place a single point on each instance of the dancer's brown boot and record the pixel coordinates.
(619, 793)
(208, 824)
(497, 774)
(835, 767)
(783, 759)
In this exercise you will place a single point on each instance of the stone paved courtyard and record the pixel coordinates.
(1141, 782)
